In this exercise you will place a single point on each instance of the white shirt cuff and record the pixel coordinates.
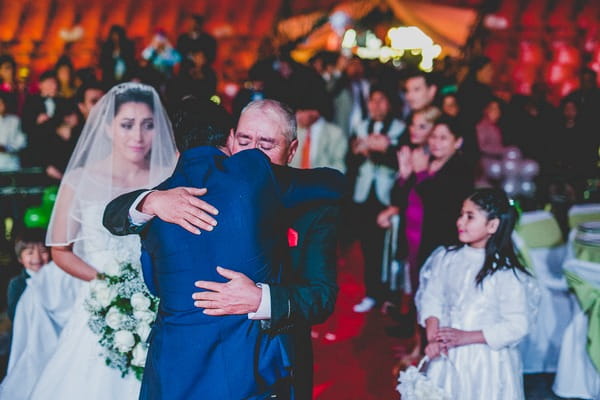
(264, 308)
(136, 217)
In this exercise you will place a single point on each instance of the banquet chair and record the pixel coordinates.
(539, 240)
(580, 213)
(577, 376)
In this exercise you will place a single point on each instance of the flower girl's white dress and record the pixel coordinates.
(502, 308)
(77, 371)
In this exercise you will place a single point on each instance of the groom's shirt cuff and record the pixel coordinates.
(136, 217)
(264, 308)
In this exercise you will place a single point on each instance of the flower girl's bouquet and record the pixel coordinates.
(414, 385)
(121, 313)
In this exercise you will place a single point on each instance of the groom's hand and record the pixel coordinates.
(181, 206)
(238, 296)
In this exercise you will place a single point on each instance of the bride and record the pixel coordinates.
(126, 144)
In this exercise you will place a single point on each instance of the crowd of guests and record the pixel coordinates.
(413, 144)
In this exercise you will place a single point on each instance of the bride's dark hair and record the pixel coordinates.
(134, 95)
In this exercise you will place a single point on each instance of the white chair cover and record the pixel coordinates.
(540, 349)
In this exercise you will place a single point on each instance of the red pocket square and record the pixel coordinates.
(292, 237)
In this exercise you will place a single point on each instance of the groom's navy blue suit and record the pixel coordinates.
(195, 356)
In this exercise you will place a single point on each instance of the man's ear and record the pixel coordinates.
(432, 91)
(230, 139)
(492, 225)
(458, 144)
(292, 151)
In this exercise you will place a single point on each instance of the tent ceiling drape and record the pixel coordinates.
(448, 26)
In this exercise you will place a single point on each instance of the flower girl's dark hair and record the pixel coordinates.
(499, 250)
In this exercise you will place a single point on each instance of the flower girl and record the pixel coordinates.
(476, 301)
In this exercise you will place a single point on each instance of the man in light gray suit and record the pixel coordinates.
(320, 142)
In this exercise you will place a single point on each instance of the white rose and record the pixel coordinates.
(139, 302)
(93, 304)
(139, 355)
(144, 316)
(124, 341)
(143, 329)
(136, 264)
(103, 293)
(112, 268)
(97, 285)
(114, 318)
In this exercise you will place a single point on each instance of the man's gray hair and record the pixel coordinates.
(279, 111)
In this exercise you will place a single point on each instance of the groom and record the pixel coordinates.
(194, 355)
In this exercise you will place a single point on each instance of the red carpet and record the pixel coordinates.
(358, 364)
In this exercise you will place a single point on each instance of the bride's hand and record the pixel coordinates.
(181, 206)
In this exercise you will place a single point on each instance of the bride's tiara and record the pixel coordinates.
(124, 87)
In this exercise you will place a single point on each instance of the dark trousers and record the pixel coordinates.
(371, 238)
(302, 381)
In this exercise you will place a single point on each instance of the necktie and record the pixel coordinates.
(361, 100)
(305, 162)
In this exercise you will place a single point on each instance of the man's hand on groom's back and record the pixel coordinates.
(181, 206)
(238, 296)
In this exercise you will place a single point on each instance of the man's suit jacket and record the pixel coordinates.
(309, 289)
(16, 287)
(122, 227)
(38, 134)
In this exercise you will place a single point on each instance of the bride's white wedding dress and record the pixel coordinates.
(77, 370)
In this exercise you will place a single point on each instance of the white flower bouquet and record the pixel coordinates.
(414, 385)
(121, 313)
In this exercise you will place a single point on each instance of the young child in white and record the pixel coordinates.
(474, 303)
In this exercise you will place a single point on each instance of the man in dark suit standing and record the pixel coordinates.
(42, 114)
(308, 290)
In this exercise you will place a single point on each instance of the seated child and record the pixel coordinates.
(32, 254)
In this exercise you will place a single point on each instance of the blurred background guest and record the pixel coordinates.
(197, 39)
(117, 57)
(372, 162)
(65, 76)
(12, 138)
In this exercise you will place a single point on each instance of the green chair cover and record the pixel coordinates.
(588, 297)
(543, 233)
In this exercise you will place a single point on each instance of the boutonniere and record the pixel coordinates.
(292, 237)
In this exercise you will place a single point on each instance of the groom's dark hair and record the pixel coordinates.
(200, 123)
